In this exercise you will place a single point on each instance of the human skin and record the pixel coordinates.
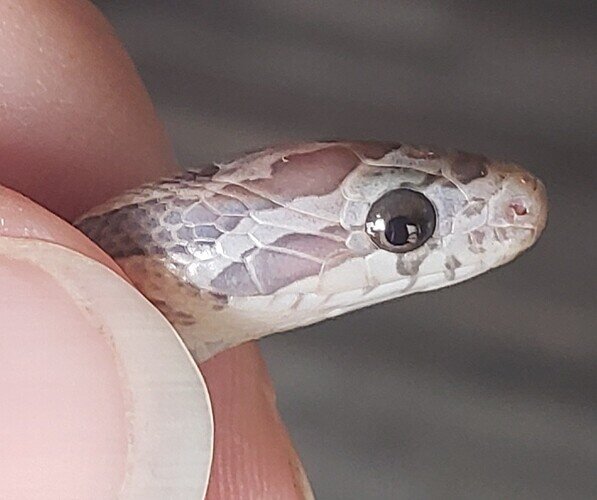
(76, 127)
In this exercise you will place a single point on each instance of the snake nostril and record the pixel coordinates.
(519, 208)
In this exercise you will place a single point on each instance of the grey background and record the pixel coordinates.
(486, 390)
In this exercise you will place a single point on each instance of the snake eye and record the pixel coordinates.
(401, 220)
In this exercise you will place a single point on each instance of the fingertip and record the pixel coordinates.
(99, 398)
(38, 358)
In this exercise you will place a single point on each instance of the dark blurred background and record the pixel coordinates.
(486, 390)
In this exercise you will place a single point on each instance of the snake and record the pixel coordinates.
(295, 234)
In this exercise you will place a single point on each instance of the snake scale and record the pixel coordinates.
(294, 234)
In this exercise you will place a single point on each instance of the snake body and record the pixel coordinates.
(286, 236)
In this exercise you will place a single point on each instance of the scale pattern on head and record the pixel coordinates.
(287, 227)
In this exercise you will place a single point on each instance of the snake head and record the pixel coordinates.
(295, 234)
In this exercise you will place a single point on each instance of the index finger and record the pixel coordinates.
(76, 124)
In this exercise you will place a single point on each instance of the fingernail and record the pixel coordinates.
(100, 398)
(22, 218)
(302, 481)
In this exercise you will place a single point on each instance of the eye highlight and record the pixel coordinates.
(401, 220)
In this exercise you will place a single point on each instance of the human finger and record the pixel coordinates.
(79, 128)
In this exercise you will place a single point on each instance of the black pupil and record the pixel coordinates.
(397, 230)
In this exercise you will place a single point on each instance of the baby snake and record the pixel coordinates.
(295, 234)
